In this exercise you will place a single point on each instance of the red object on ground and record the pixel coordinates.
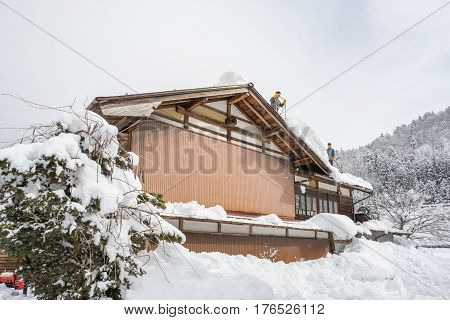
(12, 280)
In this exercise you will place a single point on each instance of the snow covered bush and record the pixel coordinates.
(406, 211)
(73, 212)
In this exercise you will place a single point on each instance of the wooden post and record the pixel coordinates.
(186, 121)
(229, 106)
(338, 198)
(317, 197)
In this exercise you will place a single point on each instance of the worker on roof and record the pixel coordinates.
(331, 153)
(275, 101)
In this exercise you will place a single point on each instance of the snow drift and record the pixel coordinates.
(366, 270)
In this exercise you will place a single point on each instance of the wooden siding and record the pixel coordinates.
(7, 264)
(267, 247)
(346, 206)
(185, 166)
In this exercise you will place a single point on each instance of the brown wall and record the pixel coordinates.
(185, 166)
(7, 264)
(272, 248)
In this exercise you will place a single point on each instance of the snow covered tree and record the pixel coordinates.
(73, 213)
(406, 211)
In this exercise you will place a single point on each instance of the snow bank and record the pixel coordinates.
(365, 270)
(313, 141)
(230, 78)
(11, 294)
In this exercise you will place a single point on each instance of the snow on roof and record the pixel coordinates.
(230, 78)
(313, 141)
(342, 227)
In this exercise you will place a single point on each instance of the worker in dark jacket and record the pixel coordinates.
(275, 101)
(331, 154)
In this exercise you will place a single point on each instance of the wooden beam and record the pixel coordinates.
(215, 133)
(257, 113)
(219, 123)
(132, 125)
(246, 120)
(197, 103)
(288, 145)
(300, 143)
(186, 121)
(238, 98)
(229, 105)
(272, 132)
(301, 162)
(172, 96)
(121, 123)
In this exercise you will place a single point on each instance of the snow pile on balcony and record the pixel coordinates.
(313, 141)
(269, 219)
(342, 227)
(365, 270)
(195, 210)
(230, 78)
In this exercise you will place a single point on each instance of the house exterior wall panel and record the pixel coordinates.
(185, 166)
(272, 248)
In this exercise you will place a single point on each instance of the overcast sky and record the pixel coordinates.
(292, 46)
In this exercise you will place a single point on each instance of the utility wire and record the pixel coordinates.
(67, 46)
(368, 56)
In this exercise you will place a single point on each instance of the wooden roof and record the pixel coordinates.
(117, 110)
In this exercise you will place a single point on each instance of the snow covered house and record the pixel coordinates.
(225, 145)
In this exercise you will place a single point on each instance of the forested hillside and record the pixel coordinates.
(415, 157)
(410, 172)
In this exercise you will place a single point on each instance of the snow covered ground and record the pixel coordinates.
(11, 294)
(366, 270)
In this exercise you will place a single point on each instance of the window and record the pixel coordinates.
(323, 202)
(332, 202)
(307, 204)
(300, 202)
(311, 202)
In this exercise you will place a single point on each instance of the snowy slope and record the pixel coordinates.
(366, 270)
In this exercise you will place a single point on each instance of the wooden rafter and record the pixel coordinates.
(301, 162)
(219, 123)
(257, 113)
(288, 145)
(197, 103)
(272, 132)
(238, 98)
(121, 123)
(203, 128)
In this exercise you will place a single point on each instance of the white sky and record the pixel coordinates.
(293, 46)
